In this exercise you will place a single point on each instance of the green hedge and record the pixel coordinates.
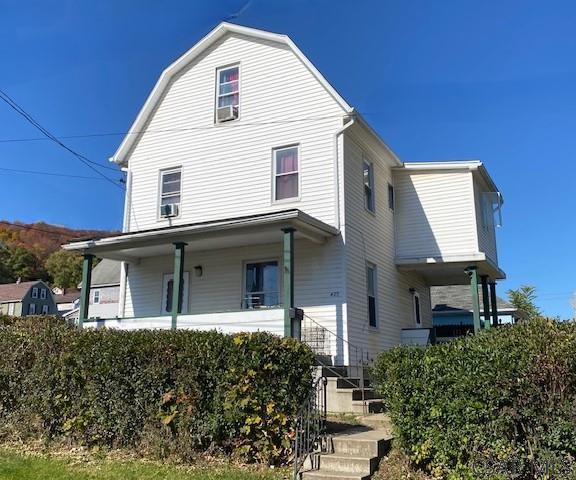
(164, 392)
(501, 404)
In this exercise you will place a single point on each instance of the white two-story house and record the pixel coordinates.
(255, 192)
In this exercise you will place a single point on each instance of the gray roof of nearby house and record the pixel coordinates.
(68, 297)
(457, 298)
(15, 292)
(107, 272)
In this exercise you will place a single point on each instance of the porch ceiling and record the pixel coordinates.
(440, 273)
(235, 232)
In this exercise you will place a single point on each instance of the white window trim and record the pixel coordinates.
(34, 292)
(31, 306)
(217, 95)
(42, 294)
(377, 317)
(279, 280)
(298, 172)
(161, 173)
(44, 309)
(367, 161)
(94, 296)
(416, 295)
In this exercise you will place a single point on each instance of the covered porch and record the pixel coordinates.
(233, 275)
(476, 271)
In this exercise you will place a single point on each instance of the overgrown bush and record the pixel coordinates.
(498, 405)
(166, 392)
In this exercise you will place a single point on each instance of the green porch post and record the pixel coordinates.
(85, 292)
(494, 303)
(485, 301)
(177, 282)
(473, 274)
(288, 279)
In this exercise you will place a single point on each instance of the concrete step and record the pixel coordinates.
(348, 463)
(362, 443)
(375, 405)
(329, 475)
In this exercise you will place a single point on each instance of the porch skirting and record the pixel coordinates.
(268, 319)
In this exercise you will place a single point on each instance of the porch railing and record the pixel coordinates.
(310, 436)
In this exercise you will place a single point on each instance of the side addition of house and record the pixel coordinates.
(258, 199)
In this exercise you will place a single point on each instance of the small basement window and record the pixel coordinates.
(170, 192)
(227, 93)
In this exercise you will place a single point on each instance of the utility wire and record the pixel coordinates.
(170, 130)
(29, 227)
(38, 172)
(86, 161)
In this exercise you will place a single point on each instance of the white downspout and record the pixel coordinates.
(337, 172)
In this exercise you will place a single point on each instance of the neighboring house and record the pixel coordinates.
(104, 292)
(27, 298)
(452, 311)
(254, 187)
(65, 300)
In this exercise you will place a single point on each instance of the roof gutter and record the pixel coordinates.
(338, 132)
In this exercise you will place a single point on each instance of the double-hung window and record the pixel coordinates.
(286, 176)
(32, 309)
(227, 93)
(391, 197)
(35, 292)
(170, 192)
(368, 173)
(261, 285)
(43, 294)
(44, 309)
(96, 297)
(371, 288)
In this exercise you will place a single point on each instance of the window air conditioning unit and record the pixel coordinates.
(169, 210)
(227, 113)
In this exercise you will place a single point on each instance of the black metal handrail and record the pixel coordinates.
(310, 434)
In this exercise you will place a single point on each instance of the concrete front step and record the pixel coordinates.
(372, 443)
(375, 405)
(336, 462)
(327, 475)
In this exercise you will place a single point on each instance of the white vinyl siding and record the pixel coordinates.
(370, 238)
(486, 230)
(435, 215)
(227, 166)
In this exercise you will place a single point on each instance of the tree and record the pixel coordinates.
(6, 275)
(65, 268)
(24, 264)
(524, 299)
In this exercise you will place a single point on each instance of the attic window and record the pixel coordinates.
(227, 93)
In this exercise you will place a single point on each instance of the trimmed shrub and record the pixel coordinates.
(166, 392)
(501, 404)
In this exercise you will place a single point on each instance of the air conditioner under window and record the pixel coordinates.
(169, 210)
(224, 114)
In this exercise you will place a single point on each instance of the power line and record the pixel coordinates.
(28, 227)
(38, 172)
(86, 161)
(172, 130)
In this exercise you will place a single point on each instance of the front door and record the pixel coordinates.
(167, 289)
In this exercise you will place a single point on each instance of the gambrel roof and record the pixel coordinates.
(219, 32)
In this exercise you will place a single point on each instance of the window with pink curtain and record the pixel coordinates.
(286, 173)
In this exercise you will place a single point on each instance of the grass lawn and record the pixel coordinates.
(16, 466)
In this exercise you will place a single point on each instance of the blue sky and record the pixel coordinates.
(449, 79)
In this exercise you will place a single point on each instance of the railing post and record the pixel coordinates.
(288, 278)
(494, 304)
(85, 292)
(177, 282)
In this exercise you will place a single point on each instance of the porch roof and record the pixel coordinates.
(227, 233)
